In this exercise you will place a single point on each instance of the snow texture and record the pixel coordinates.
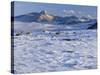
(51, 51)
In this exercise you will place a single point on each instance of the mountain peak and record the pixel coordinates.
(43, 12)
(44, 16)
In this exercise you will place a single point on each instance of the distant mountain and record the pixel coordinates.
(45, 17)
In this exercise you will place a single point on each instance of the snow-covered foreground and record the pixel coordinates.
(67, 50)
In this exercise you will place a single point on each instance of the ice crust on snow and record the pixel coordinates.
(48, 52)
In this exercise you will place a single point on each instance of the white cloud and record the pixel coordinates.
(89, 16)
(69, 12)
(77, 13)
(72, 11)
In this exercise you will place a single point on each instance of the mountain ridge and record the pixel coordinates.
(44, 17)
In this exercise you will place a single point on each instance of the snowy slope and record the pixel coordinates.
(50, 51)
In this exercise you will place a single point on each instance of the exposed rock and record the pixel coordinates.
(94, 26)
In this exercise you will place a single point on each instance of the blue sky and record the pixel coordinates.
(21, 8)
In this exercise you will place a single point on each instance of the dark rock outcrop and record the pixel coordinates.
(94, 26)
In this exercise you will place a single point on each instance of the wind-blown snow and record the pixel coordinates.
(53, 51)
